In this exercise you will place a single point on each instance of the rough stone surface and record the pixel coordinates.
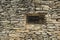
(14, 25)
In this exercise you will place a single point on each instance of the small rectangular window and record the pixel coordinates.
(36, 19)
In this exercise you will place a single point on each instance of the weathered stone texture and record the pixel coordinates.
(14, 25)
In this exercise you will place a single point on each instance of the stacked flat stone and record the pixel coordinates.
(13, 21)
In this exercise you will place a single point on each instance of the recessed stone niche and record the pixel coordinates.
(37, 18)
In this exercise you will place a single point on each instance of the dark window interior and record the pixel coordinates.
(33, 19)
(36, 19)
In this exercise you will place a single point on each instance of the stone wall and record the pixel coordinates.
(13, 24)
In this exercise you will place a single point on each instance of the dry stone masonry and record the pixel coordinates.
(29, 19)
